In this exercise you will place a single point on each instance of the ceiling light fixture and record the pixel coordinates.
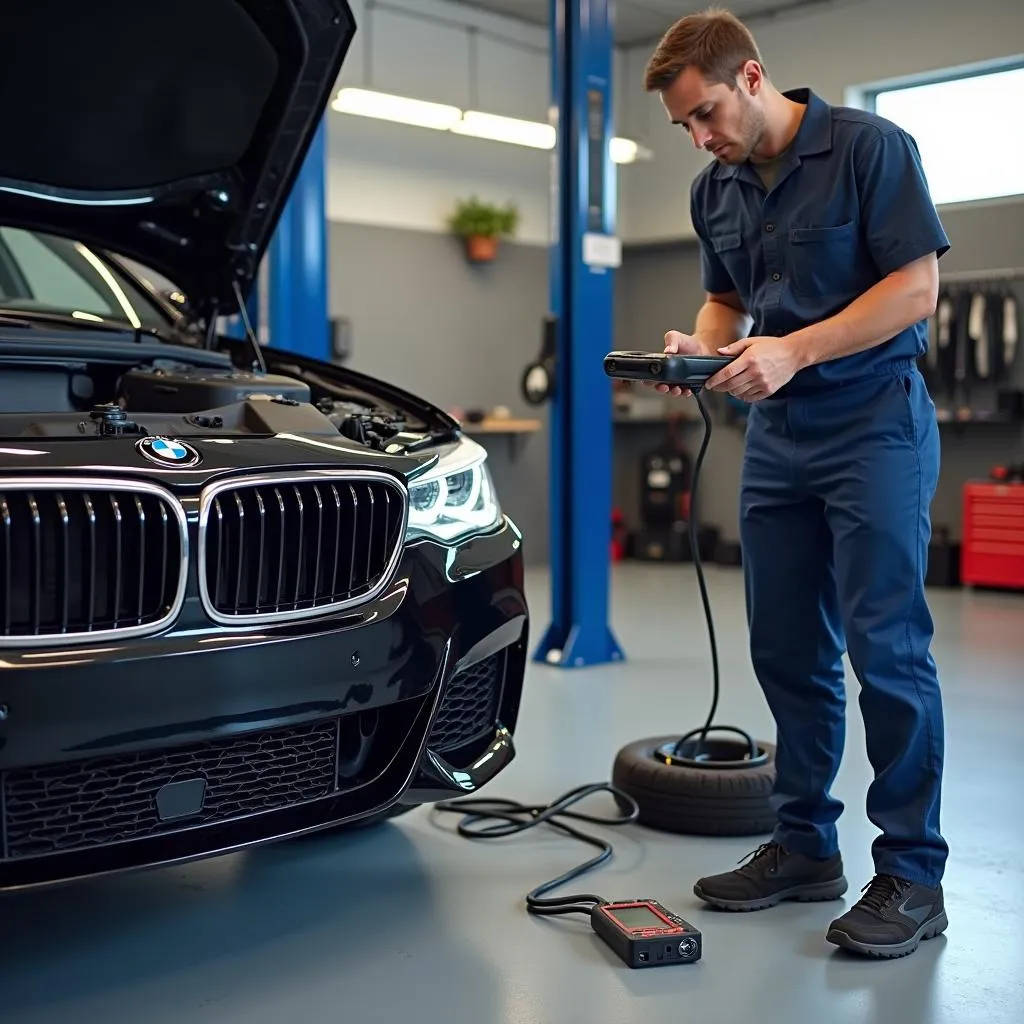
(472, 123)
(506, 129)
(399, 109)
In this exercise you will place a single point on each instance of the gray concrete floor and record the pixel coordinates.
(410, 922)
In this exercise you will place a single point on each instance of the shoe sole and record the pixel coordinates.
(817, 892)
(929, 930)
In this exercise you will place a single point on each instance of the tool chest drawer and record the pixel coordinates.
(992, 553)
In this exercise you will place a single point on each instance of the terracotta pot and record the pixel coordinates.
(482, 248)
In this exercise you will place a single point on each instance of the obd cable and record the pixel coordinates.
(643, 945)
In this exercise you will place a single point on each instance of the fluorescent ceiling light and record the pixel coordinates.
(506, 129)
(473, 123)
(400, 109)
(623, 151)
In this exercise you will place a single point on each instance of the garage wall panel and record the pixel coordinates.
(512, 80)
(414, 56)
(394, 175)
(422, 318)
(412, 178)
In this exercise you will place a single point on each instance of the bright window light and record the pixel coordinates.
(969, 149)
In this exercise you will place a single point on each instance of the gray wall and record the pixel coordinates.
(455, 333)
(460, 335)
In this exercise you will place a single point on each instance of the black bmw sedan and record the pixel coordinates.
(244, 594)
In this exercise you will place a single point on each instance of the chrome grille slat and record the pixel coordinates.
(118, 547)
(35, 596)
(81, 559)
(140, 603)
(65, 563)
(301, 545)
(355, 542)
(8, 594)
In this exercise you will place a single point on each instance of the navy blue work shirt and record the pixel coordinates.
(849, 205)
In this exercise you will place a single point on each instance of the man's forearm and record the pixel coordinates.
(719, 324)
(885, 309)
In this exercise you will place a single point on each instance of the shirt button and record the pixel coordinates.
(769, 226)
(776, 276)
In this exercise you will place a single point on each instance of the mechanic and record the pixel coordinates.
(819, 250)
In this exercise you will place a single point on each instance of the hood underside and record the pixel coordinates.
(171, 134)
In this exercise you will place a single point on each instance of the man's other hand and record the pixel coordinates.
(681, 344)
(761, 367)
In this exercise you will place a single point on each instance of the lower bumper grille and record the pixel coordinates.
(469, 705)
(76, 805)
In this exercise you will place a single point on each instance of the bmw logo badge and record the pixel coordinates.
(168, 451)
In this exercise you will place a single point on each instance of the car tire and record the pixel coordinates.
(696, 800)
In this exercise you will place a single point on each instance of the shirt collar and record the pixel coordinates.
(812, 137)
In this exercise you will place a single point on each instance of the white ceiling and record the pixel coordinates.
(638, 21)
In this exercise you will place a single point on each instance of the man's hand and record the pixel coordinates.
(761, 367)
(684, 344)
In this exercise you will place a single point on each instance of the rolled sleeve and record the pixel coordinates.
(713, 274)
(899, 219)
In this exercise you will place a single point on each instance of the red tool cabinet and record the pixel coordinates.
(992, 552)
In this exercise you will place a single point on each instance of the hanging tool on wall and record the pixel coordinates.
(538, 381)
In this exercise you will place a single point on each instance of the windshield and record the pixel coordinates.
(42, 273)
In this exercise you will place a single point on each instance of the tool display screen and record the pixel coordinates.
(638, 917)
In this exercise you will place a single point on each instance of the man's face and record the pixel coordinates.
(728, 123)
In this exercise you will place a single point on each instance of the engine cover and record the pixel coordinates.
(179, 388)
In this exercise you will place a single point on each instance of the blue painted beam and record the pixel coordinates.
(297, 278)
(581, 298)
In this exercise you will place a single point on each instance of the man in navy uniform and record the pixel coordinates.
(819, 249)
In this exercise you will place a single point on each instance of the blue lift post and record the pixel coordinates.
(582, 258)
(297, 275)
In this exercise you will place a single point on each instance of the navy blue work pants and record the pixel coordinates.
(835, 527)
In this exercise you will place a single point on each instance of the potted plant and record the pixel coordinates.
(480, 225)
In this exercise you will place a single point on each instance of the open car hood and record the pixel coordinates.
(169, 133)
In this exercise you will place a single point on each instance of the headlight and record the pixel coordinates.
(455, 498)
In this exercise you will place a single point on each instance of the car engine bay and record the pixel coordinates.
(68, 391)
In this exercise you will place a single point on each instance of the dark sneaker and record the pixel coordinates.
(890, 919)
(771, 875)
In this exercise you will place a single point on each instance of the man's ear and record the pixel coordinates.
(752, 76)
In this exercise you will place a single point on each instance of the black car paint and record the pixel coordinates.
(398, 654)
(188, 169)
(368, 685)
(446, 609)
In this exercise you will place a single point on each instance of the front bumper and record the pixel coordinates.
(207, 740)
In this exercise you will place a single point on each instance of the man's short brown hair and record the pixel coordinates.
(714, 41)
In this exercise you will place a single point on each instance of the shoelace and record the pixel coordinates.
(881, 892)
(753, 859)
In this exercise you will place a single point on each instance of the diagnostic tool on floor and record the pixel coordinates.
(644, 934)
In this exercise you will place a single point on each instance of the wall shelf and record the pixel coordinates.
(515, 430)
(501, 425)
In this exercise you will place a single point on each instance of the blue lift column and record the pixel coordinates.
(582, 258)
(297, 277)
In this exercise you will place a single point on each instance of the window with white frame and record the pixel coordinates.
(968, 130)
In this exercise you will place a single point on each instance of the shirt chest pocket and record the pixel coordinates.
(733, 255)
(823, 261)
